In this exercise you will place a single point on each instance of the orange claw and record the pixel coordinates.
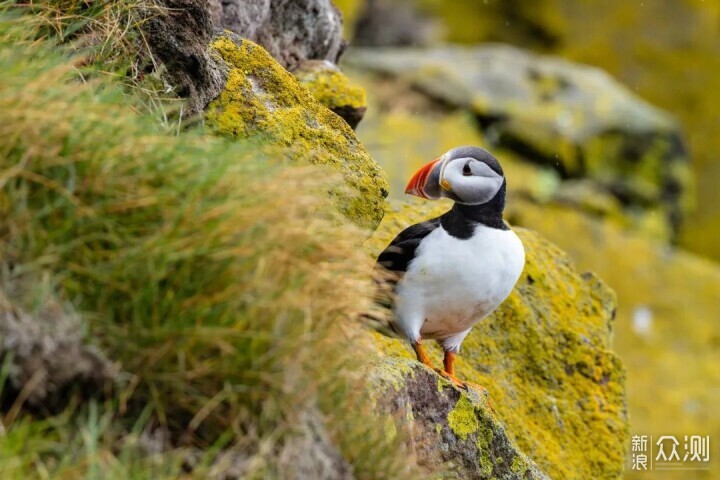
(458, 383)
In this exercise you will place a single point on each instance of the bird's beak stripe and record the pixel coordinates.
(416, 185)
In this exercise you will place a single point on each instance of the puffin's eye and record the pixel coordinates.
(467, 171)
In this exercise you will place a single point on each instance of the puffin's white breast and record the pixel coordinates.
(453, 283)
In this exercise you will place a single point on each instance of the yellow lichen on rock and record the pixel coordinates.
(666, 328)
(462, 420)
(544, 357)
(263, 102)
(333, 89)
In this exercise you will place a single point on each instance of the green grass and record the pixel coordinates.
(110, 36)
(220, 283)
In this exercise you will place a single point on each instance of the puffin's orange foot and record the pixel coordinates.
(452, 378)
(421, 353)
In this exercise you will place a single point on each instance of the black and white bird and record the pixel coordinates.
(448, 273)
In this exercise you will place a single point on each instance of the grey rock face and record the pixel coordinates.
(179, 40)
(395, 23)
(291, 30)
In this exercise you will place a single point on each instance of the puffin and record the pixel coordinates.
(444, 275)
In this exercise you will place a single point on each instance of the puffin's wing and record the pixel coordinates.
(401, 251)
(393, 262)
(390, 267)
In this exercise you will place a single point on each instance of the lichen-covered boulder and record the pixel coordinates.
(571, 117)
(291, 30)
(544, 356)
(666, 328)
(262, 100)
(333, 89)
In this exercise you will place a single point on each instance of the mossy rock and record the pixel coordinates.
(570, 117)
(545, 358)
(666, 328)
(333, 89)
(454, 431)
(264, 102)
(291, 32)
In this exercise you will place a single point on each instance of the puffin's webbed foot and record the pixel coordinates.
(449, 372)
(452, 378)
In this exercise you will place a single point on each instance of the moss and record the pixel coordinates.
(263, 102)
(519, 466)
(484, 440)
(391, 431)
(394, 373)
(462, 420)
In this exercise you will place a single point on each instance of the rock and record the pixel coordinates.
(400, 131)
(333, 89)
(246, 93)
(262, 100)
(291, 30)
(397, 23)
(451, 429)
(48, 357)
(544, 357)
(675, 291)
(573, 118)
(540, 23)
(179, 40)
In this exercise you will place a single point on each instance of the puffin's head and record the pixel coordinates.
(467, 175)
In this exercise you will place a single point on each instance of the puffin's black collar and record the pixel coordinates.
(461, 220)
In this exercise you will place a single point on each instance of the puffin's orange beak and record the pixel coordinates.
(416, 185)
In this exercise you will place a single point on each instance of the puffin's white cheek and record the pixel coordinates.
(478, 190)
